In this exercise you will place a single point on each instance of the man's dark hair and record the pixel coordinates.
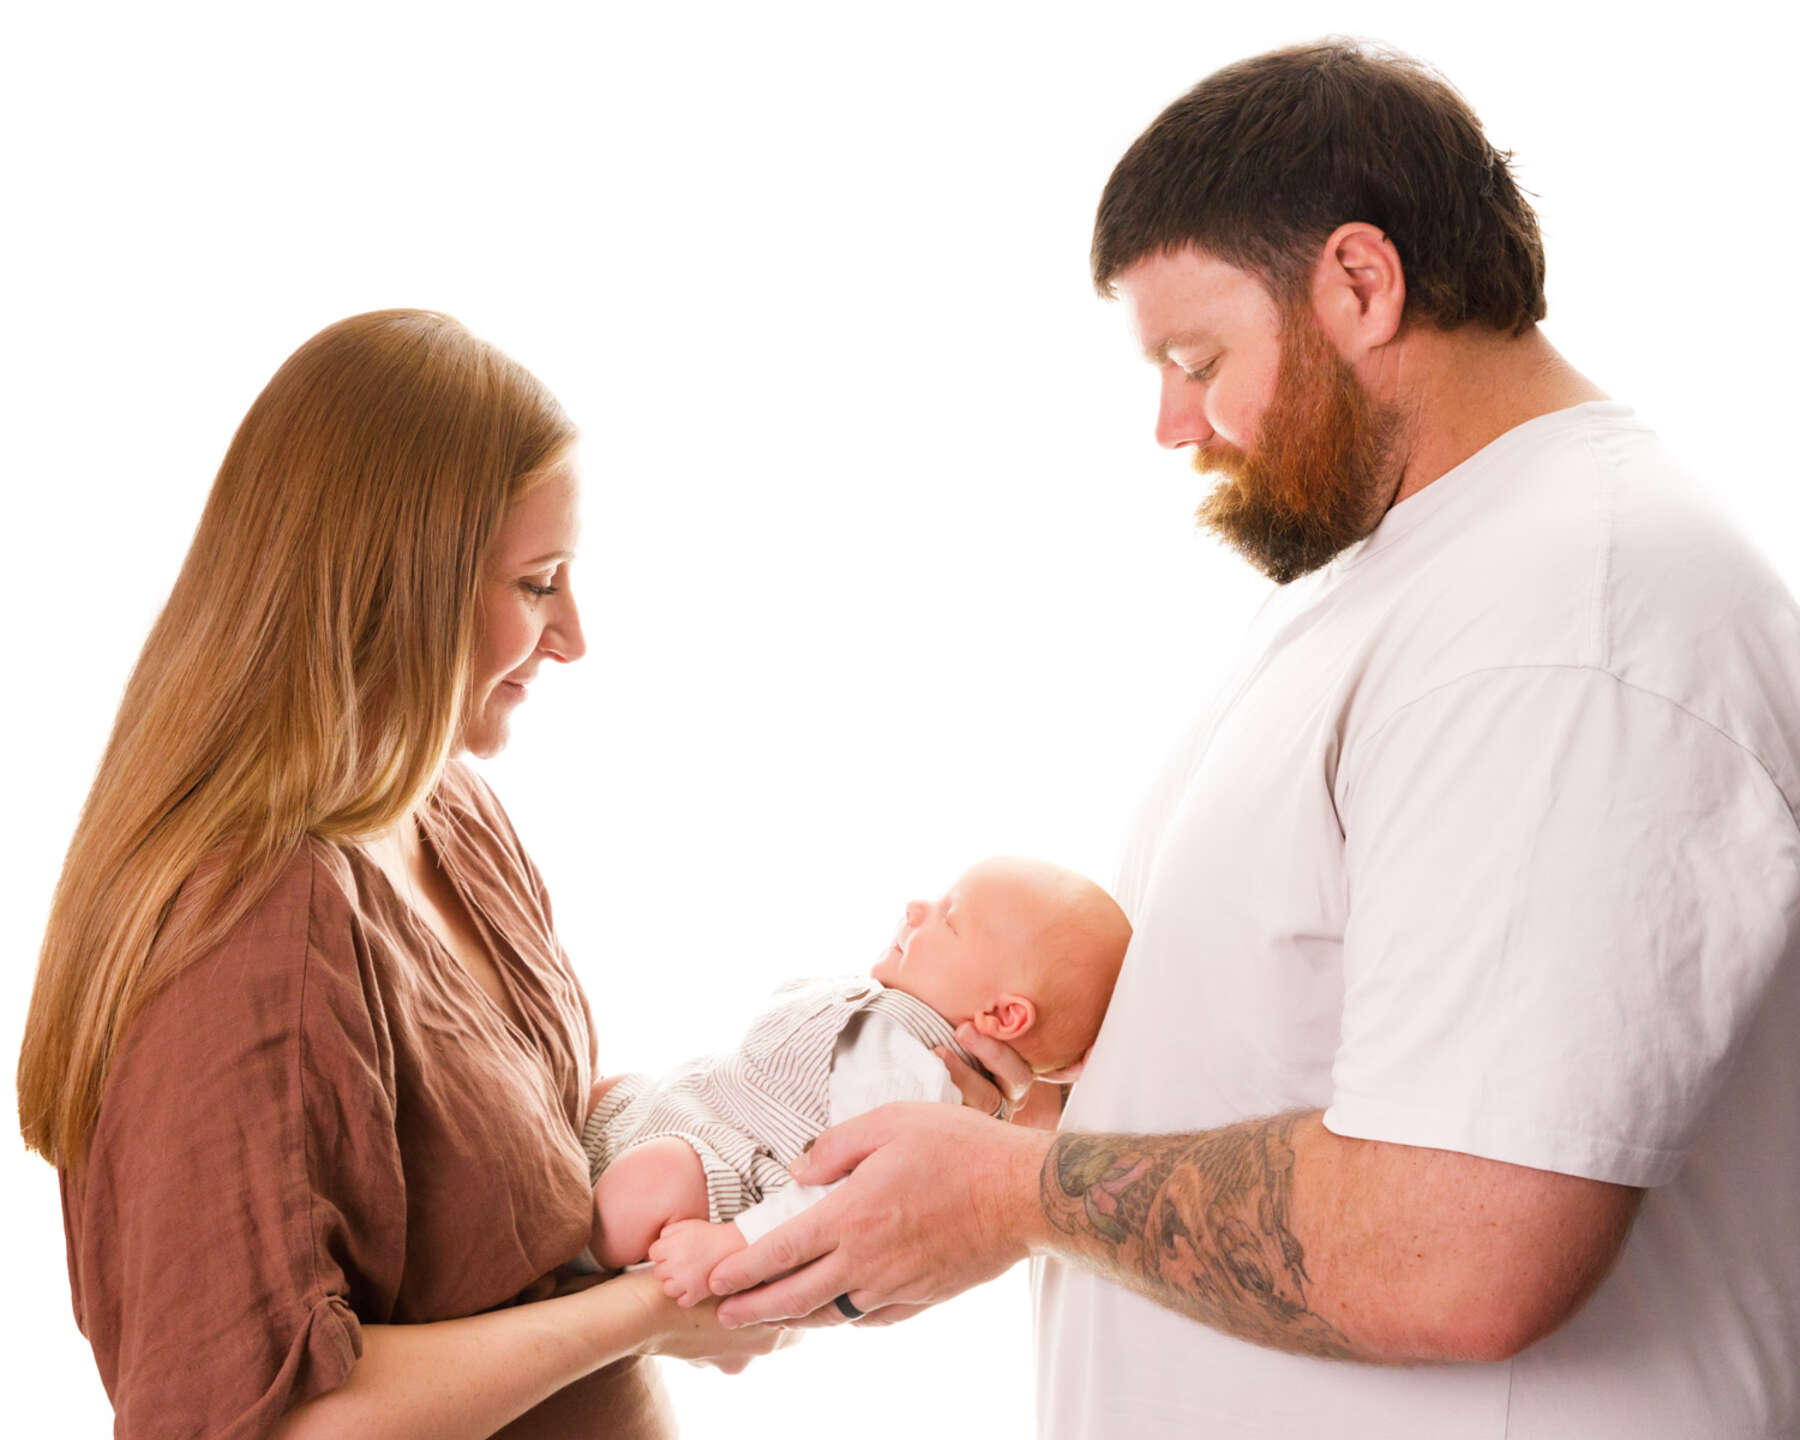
(1261, 161)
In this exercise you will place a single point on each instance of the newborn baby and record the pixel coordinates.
(693, 1165)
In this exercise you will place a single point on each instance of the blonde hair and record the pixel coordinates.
(1074, 963)
(307, 675)
(1067, 940)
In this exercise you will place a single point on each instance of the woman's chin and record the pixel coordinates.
(484, 740)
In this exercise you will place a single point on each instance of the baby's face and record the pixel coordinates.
(957, 952)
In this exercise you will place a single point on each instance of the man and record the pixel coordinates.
(1452, 1063)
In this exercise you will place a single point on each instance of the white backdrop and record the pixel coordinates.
(881, 571)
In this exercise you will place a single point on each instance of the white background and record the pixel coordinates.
(882, 572)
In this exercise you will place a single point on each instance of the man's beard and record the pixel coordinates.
(1321, 473)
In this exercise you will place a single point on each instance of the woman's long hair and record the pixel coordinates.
(308, 674)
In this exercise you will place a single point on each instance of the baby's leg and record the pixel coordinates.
(686, 1254)
(646, 1188)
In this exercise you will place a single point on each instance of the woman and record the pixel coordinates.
(302, 1044)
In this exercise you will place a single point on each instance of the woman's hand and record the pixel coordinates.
(694, 1334)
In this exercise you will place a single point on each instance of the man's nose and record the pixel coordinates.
(1181, 415)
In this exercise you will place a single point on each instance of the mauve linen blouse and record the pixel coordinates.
(325, 1123)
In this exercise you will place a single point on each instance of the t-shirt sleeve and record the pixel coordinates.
(1567, 898)
(242, 1204)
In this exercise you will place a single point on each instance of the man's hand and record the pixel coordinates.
(684, 1256)
(1021, 1097)
(1012, 1080)
(941, 1199)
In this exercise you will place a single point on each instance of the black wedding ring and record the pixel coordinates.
(849, 1311)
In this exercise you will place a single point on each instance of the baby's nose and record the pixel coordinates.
(915, 912)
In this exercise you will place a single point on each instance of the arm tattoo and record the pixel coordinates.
(1196, 1222)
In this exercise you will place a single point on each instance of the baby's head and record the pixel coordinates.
(1025, 951)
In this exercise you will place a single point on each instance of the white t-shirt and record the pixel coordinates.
(874, 1061)
(1489, 846)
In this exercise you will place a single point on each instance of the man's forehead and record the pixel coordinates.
(1185, 297)
(1157, 349)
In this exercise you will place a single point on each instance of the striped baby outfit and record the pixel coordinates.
(750, 1112)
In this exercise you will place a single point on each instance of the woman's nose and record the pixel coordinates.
(563, 637)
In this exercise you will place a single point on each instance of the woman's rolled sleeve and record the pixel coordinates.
(242, 1202)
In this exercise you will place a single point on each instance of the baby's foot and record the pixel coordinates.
(685, 1253)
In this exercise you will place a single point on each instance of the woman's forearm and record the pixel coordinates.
(464, 1379)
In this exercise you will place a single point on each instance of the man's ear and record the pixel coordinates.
(1359, 290)
(1007, 1018)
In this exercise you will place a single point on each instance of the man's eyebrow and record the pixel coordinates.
(1158, 355)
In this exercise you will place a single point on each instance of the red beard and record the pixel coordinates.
(1321, 473)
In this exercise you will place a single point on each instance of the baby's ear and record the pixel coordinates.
(1007, 1018)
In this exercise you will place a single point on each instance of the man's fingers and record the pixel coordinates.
(785, 1248)
(827, 1316)
(890, 1314)
(823, 1318)
(976, 1090)
(786, 1299)
(1003, 1062)
(840, 1150)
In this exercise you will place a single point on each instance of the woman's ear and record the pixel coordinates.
(1007, 1018)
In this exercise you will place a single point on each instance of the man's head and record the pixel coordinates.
(1025, 951)
(1274, 231)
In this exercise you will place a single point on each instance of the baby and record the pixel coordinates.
(695, 1163)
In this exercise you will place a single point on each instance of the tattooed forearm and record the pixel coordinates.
(1197, 1222)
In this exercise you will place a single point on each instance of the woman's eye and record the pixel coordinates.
(1203, 372)
(539, 590)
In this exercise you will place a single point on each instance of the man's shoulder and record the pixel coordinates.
(1579, 540)
(1575, 502)
(1669, 594)
(1589, 546)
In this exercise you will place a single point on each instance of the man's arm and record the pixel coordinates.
(1274, 1230)
(1200, 1223)
(1282, 1233)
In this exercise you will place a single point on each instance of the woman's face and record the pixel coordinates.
(528, 611)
